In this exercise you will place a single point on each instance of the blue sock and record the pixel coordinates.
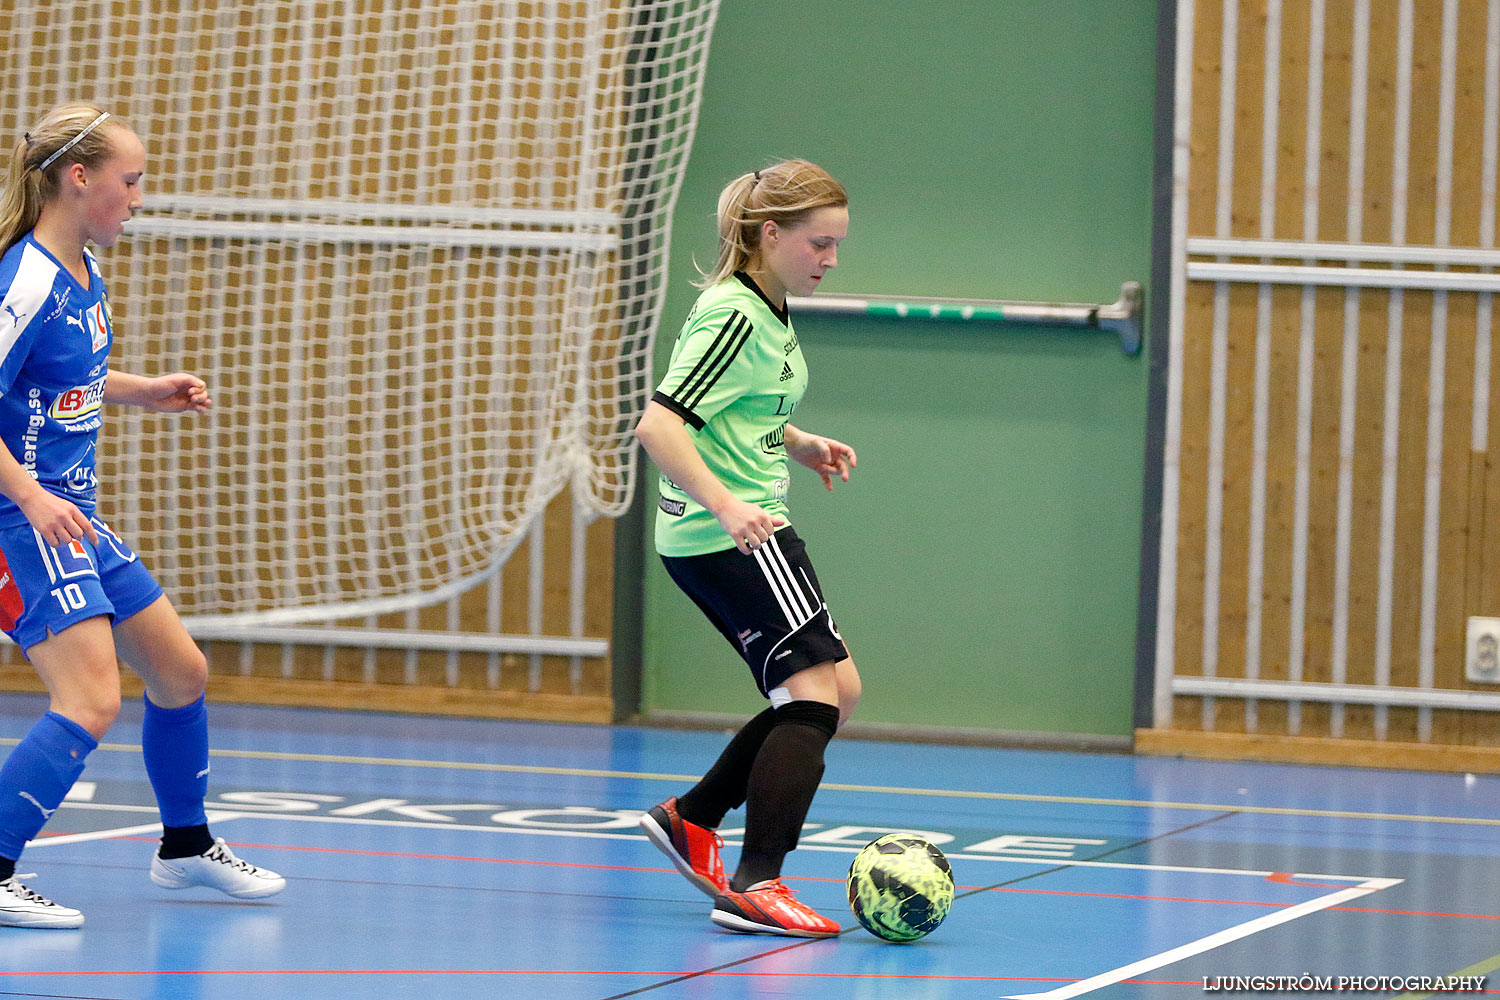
(174, 742)
(36, 776)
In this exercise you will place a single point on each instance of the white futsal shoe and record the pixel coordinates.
(216, 868)
(23, 907)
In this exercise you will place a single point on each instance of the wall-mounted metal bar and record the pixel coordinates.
(1368, 253)
(1341, 694)
(1122, 317)
(1347, 277)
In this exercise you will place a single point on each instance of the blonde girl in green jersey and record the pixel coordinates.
(719, 429)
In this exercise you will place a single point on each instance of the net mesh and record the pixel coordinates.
(418, 253)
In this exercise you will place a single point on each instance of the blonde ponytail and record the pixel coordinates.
(785, 193)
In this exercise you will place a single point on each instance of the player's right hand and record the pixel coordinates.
(57, 520)
(750, 526)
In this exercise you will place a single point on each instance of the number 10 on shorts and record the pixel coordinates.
(70, 596)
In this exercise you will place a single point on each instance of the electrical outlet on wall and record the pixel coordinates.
(1482, 656)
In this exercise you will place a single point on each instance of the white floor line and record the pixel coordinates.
(1211, 941)
(122, 831)
(602, 835)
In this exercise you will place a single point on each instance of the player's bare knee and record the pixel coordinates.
(195, 673)
(95, 711)
(181, 682)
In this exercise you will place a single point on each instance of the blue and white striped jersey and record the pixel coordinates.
(54, 359)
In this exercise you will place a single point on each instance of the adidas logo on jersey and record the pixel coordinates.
(786, 371)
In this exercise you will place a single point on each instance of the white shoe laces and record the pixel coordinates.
(25, 893)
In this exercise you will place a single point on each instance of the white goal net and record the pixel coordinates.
(418, 253)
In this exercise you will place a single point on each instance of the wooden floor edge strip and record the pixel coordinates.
(1271, 748)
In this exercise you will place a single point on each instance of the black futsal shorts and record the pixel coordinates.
(767, 604)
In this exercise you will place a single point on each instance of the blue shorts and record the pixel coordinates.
(43, 590)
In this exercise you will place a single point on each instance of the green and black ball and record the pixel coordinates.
(900, 887)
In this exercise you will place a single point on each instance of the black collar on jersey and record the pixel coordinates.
(780, 313)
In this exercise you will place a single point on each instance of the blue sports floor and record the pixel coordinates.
(441, 858)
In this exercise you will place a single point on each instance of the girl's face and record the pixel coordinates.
(797, 256)
(111, 192)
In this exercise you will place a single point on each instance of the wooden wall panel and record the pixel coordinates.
(1414, 352)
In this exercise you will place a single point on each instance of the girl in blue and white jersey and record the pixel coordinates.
(73, 595)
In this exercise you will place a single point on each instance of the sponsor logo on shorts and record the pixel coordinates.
(676, 508)
(746, 638)
(782, 655)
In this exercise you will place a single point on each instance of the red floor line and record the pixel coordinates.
(797, 878)
(608, 972)
(728, 973)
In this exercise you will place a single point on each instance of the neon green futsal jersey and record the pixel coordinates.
(735, 377)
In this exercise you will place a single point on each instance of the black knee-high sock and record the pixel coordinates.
(782, 784)
(723, 787)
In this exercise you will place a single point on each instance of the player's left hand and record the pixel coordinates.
(177, 393)
(825, 456)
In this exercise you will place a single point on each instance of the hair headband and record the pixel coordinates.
(73, 141)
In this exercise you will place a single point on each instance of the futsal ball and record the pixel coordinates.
(900, 887)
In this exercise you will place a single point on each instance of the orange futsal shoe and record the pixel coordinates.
(770, 908)
(693, 849)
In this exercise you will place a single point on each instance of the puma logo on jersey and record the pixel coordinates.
(202, 774)
(46, 813)
(74, 321)
(14, 316)
(786, 372)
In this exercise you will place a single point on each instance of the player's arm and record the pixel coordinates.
(175, 393)
(663, 433)
(823, 455)
(54, 518)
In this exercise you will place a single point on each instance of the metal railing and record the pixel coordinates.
(1121, 317)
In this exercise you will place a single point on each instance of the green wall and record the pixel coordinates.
(983, 563)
